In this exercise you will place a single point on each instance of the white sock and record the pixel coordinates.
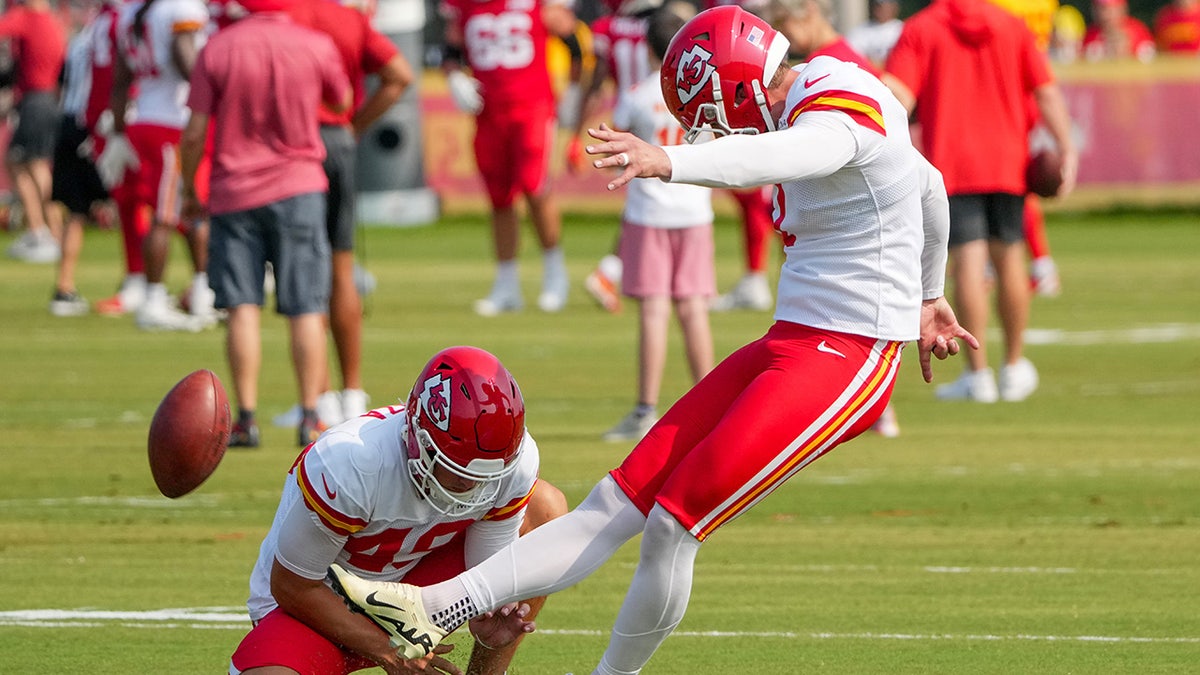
(200, 280)
(507, 275)
(657, 597)
(553, 260)
(552, 557)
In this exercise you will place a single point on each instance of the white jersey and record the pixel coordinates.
(77, 74)
(349, 499)
(864, 217)
(650, 202)
(162, 90)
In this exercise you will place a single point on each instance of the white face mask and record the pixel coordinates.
(485, 474)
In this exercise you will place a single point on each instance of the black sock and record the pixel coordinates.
(245, 418)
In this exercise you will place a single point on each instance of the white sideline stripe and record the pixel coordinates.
(1168, 332)
(234, 618)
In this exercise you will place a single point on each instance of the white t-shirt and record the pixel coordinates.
(648, 201)
(875, 40)
(864, 216)
(350, 500)
(161, 89)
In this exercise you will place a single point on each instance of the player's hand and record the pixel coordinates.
(939, 332)
(432, 664)
(574, 155)
(465, 90)
(118, 157)
(633, 156)
(500, 627)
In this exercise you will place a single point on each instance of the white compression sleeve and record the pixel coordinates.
(552, 557)
(657, 597)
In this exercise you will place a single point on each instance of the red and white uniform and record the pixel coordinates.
(102, 52)
(865, 223)
(621, 42)
(505, 45)
(349, 499)
(160, 105)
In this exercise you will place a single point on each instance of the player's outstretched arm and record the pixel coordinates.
(623, 150)
(939, 332)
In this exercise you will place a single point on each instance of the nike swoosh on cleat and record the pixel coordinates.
(410, 635)
(809, 83)
(824, 347)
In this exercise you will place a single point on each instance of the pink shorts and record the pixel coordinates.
(512, 151)
(764, 413)
(281, 640)
(660, 262)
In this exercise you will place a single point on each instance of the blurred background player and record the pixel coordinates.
(1114, 34)
(619, 41)
(969, 68)
(260, 84)
(77, 186)
(364, 51)
(134, 215)
(509, 92)
(418, 492)
(1039, 16)
(158, 41)
(38, 42)
(666, 241)
(874, 39)
(1177, 28)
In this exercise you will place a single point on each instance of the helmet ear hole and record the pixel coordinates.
(739, 94)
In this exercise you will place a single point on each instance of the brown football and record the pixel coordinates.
(189, 433)
(1043, 174)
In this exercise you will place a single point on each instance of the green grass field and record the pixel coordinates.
(1058, 535)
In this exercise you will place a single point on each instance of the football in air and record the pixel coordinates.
(1043, 174)
(189, 433)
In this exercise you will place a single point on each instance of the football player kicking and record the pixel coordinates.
(865, 222)
(417, 492)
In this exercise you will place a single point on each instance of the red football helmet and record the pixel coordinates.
(466, 415)
(716, 71)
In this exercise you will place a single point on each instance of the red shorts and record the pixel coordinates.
(661, 262)
(280, 640)
(512, 151)
(764, 413)
(157, 181)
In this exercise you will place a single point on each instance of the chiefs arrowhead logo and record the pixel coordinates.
(435, 401)
(693, 73)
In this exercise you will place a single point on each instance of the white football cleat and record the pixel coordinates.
(355, 402)
(154, 317)
(972, 385)
(1018, 381)
(395, 608)
(751, 292)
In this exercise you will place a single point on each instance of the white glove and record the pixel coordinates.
(118, 156)
(464, 89)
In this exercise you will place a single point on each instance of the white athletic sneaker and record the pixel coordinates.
(129, 298)
(396, 608)
(355, 402)
(290, 418)
(972, 385)
(500, 300)
(1044, 275)
(750, 292)
(329, 408)
(68, 304)
(632, 427)
(555, 286)
(200, 301)
(153, 317)
(603, 290)
(1018, 381)
(887, 425)
(36, 247)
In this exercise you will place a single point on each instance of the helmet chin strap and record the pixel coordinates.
(711, 116)
(764, 107)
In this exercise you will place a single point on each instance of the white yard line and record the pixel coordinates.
(234, 618)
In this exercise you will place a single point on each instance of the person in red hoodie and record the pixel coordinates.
(1177, 28)
(968, 67)
(39, 43)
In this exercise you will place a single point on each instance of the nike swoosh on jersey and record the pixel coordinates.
(824, 347)
(809, 83)
(332, 494)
